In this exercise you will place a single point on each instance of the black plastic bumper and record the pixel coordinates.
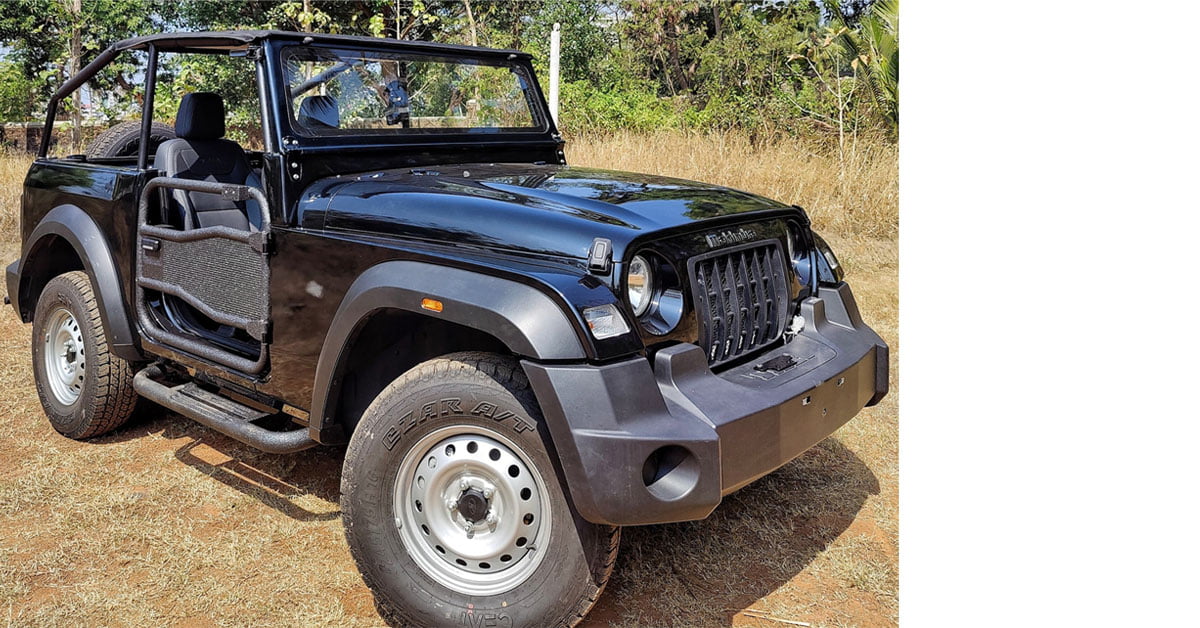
(642, 445)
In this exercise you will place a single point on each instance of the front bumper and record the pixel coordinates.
(642, 445)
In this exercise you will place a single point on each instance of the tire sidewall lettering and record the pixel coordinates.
(452, 407)
(472, 619)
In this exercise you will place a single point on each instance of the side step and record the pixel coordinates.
(219, 413)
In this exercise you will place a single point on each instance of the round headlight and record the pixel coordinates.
(640, 281)
(793, 232)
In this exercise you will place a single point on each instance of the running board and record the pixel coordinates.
(219, 413)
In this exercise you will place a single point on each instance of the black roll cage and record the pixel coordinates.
(231, 42)
(153, 47)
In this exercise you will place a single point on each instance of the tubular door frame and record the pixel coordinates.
(150, 237)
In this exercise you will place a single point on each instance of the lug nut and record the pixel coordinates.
(463, 484)
(488, 492)
(451, 504)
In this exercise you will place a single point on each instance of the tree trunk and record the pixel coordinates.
(471, 23)
(76, 61)
(474, 42)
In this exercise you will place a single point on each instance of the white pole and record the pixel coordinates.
(555, 45)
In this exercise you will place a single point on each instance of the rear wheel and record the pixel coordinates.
(84, 389)
(453, 508)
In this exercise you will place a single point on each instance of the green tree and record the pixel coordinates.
(53, 39)
(873, 47)
(359, 17)
(763, 66)
(586, 43)
(17, 99)
(760, 66)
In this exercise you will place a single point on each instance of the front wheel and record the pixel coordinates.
(453, 509)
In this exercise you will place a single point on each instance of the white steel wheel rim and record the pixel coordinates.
(63, 358)
(496, 552)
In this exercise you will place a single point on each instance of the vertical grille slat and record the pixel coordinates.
(741, 298)
(749, 331)
(717, 309)
(779, 297)
(733, 308)
(761, 321)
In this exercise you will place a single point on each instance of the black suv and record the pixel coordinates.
(522, 356)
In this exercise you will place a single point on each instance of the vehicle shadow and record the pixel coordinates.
(699, 573)
(274, 480)
(702, 573)
(274, 483)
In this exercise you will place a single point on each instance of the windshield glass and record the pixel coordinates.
(357, 92)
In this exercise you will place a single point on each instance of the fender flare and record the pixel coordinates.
(527, 320)
(77, 228)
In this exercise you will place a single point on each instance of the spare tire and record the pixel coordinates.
(122, 140)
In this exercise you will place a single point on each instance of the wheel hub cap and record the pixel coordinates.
(470, 510)
(473, 505)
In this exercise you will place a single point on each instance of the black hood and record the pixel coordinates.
(548, 209)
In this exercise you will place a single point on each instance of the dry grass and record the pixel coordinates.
(166, 523)
(13, 167)
(857, 194)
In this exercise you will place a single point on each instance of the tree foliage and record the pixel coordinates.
(769, 67)
(872, 42)
(17, 98)
(38, 33)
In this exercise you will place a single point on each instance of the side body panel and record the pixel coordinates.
(91, 207)
(324, 284)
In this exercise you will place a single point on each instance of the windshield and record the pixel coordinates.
(357, 92)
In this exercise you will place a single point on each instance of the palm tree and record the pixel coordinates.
(874, 50)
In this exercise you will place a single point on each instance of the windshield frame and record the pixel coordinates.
(534, 99)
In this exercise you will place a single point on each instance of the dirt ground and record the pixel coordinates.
(166, 523)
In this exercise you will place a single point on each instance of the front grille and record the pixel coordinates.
(741, 299)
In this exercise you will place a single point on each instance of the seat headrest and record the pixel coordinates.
(201, 117)
(319, 111)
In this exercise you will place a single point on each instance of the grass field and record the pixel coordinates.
(165, 523)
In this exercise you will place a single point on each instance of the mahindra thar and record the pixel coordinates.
(519, 356)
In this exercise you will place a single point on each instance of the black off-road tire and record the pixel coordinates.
(580, 555)
(122, 140)
(106, 399)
